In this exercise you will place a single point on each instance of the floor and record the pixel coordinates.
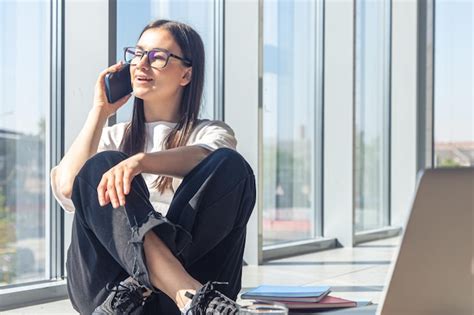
(353, 273)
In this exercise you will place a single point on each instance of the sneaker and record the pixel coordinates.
(127, 297)
(209, 301)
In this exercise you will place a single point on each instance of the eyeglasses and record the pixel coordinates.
(157, 58)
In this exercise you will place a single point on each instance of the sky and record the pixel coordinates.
(453, 97)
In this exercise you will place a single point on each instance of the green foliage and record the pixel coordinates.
(7, 231)
(448, 163)
(7, 237)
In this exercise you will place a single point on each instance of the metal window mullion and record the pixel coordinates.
(260, 174)
(356, 12)
(314, 154)
(322, 109)
(431, 34)
(219, 11)
(424, 89)
(318, 114)
(112, 41)
(50, 205)
(388, 190)
(56, 148)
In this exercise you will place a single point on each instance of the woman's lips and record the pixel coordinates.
(142, 81)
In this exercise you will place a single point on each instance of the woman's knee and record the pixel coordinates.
(101, 162)
(112, 156)
(231, 160)
(93, 169)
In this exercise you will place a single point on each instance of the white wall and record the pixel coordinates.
(241, 94)
(403, 147)
(86, 55)
(339, 122)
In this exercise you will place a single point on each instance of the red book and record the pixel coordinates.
(326, 302)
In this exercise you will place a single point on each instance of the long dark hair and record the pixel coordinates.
(193, 49)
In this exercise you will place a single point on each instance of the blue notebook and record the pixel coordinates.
(287, 293)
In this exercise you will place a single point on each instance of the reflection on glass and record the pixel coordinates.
(372, 114)
(290, 121)
(134, 15)
(24, 103)
(453, 93)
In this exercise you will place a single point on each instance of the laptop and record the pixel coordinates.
(434, 269)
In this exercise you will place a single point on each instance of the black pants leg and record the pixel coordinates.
(214, 203)
(204, 228)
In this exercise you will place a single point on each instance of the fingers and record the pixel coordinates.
(119, 190)
(107, 198)
(112, 192)
(101, 192)
(106, 191)
(122, 101)
(113, 68)
(126, 183)
(113, 187)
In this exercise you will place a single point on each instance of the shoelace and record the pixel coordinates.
(202, 299)
(222, 304)
(127, 297)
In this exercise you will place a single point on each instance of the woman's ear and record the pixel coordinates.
(186, 78)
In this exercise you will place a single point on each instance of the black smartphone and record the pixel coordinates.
(118, 84)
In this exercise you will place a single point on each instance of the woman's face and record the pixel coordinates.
(159, 84)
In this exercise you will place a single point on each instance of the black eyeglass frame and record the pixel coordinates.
(187, 62)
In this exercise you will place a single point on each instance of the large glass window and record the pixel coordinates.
(372, 105)
(134, 15)
(292, 136)
(25, 51)
(453, 93)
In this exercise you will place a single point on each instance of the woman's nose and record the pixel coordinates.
(143, 63)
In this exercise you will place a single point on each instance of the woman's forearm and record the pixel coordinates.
(176, 162)
(83, 147)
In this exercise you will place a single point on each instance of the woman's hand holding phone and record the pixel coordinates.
(100, 97)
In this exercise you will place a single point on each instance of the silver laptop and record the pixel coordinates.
(434, 269)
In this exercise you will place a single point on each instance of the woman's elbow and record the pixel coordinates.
(66, 191)
(61, 184)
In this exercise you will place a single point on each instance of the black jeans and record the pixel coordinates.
(204, 228)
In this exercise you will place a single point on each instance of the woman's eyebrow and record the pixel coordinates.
(138, 46)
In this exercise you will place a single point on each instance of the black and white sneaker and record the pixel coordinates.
(127, 297)
(209, 301)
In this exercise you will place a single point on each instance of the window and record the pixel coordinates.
(372, 107)
(25, 46)
(292, 133)
(203, 16)
(453, 101)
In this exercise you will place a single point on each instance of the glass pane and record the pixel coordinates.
(453, 93)
(291, 134)
(134, 15)
(372, 114)
(24, 107)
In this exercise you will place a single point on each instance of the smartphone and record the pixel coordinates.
(118, 84)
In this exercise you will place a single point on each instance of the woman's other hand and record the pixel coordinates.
(116, 182)
(100, 97)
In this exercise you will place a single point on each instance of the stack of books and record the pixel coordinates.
(298, 297)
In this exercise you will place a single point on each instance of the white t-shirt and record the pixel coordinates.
(210, 134)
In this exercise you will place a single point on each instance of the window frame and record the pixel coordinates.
(387, 230)
(425, 88)
(317, 243)
(54, 287)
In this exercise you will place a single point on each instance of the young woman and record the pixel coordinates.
(161, 203)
